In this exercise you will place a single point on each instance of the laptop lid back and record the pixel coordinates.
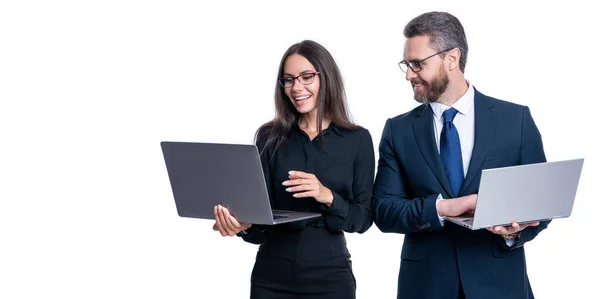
(527, 192)
(203, 175)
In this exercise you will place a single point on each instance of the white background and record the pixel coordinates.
(88, 89)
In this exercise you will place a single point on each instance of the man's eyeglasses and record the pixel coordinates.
(304, 79)
(415, 65)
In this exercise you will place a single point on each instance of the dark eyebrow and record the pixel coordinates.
(301, 73)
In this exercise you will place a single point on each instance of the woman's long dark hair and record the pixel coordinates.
(331, 102)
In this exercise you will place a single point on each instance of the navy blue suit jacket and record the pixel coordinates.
(435, 259)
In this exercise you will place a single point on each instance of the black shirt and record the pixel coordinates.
(343, 160)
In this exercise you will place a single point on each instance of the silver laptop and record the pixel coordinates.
(203, 175)
(524, 193)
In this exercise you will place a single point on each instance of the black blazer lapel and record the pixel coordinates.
(485, 124)
(424, 134)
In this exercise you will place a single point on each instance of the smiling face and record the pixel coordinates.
(432, 80)
(303, 97)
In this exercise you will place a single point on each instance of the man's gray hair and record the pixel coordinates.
(444, 30)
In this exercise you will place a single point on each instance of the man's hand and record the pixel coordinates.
(457, 206)
(512, 229)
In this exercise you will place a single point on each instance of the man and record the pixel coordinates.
(430, 166)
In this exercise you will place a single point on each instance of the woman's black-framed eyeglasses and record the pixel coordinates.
(304, 79)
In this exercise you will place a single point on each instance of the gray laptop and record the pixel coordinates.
(524, 193)
(203, 175)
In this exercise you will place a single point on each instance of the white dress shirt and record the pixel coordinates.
(464, 121)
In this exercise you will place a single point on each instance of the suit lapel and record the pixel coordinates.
(485, 123)
(424, 134)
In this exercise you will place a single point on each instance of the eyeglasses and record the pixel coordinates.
(304, 79)
(415, 65)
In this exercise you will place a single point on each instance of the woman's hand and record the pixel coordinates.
(307, 185)
(226, 223)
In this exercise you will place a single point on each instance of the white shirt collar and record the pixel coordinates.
(464, 105)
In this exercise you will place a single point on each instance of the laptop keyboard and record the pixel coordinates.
(275, 217)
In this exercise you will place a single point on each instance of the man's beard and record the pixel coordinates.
(431, 90)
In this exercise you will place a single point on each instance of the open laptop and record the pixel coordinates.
(204, 175)
(524, 193)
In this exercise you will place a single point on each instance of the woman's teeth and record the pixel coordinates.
(301, 98)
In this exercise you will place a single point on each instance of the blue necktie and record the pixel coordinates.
(450, 151)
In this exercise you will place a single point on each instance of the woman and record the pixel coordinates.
(314, 160)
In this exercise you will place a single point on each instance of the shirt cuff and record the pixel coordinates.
(338, 207)
(509, 242)
(439, 217)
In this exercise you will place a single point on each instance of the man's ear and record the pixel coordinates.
(453, 58)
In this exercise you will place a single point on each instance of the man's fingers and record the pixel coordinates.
(501, 230)
(512, 228)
